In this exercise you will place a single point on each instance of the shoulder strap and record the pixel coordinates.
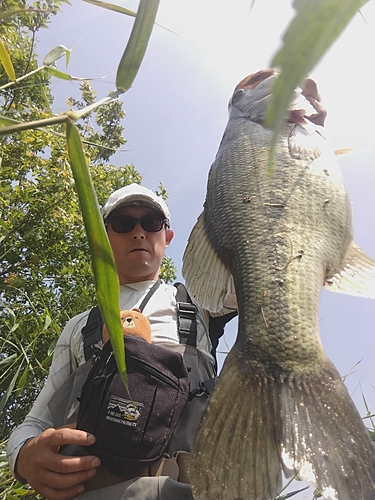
(216, 329)
(187, 322)
(186, 316)
(150, 293)
(92, 331)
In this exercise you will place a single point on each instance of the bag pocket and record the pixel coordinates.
(133, 428)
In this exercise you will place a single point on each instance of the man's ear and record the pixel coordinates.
(168, 236)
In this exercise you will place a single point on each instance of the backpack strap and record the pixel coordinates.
(186, 316)
(216, 329)
(92, 331)
(187, 320)
(150, 293)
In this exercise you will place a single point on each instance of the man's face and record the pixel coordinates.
(138, 254)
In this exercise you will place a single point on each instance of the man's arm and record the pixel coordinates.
(33, 446)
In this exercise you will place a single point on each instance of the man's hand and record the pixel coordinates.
(55, 476)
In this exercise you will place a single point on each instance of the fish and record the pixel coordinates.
(279, 405)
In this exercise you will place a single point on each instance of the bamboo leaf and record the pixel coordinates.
(47, 322)
(137, 44)
(67, 57)
(8, 360)
(9, 391)
(317, 24)
(111, 6)
(11, 13)
(65, 76)
(23, 379)
(60, 74)
(12, 317)
(55, 54)
(106, 279)
(10, 121)
(6, 62)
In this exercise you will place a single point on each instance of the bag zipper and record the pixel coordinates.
(153, 371)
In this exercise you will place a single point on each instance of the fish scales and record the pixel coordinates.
(260, 223)
(279, 403)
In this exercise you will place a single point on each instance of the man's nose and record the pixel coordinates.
(138, 231)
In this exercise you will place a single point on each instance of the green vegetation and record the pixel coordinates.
(45, 267)
(46, 272)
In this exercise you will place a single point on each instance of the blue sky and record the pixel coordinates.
(176, 113)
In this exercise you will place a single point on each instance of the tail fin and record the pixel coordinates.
(324, 438)
(254, 425)
(236, 452)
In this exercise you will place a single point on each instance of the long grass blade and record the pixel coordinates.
(8, 360)
(23, 379)
(111, 6)
(317, 24)
(61, 75)
(6, 62)
(11, 13)
(137, 44)
(106, 279)
(9, 391)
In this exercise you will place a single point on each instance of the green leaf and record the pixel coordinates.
(60, 74)
(12, 317)
(6, 62)
(55, 54)
(8, 360)
(14, 327)
(111, 6)
(47, 322)
(22, 380)
(106, 278)
(67, 57)
(317, 24)
(9, 390)
(6, 120)
(137, 44)
(51, 348)
(11, 13)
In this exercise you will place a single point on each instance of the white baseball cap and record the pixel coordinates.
(135, 194)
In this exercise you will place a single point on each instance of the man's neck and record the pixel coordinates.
(126, 280)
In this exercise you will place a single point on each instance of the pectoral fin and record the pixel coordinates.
(356, 277)
(207, 279)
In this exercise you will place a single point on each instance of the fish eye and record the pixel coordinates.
(237, 94)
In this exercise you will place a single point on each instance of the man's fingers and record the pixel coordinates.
(62, 494)
(65, 435)
(67, 481)
(68, 465)
(56, 476)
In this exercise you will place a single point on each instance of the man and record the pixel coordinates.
(138, 227)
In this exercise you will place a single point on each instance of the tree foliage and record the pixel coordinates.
(45, 267)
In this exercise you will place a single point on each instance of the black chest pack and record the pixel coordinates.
(134, 428)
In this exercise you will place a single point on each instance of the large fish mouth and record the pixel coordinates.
(260, 84)
(306, 104)
(253, 80)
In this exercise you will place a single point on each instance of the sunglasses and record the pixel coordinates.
(126, 223)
